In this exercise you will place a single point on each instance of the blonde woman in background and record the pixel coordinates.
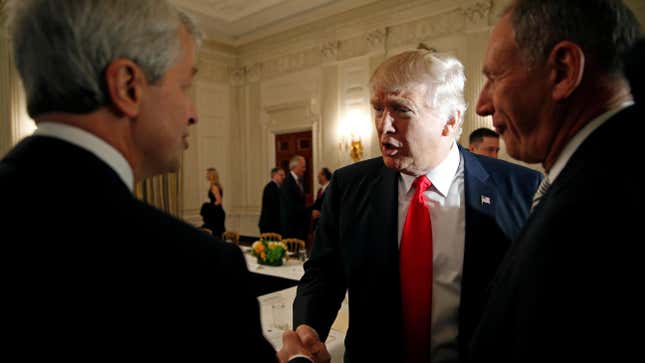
(212, 211)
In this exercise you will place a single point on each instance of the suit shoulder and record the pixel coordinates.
(175, 232)
(505, 168)
(361, 168)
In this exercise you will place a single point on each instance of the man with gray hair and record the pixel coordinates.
(294, 216)
(414, 236)
(102, 274)
(567, 290)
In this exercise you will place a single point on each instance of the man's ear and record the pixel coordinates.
(451, 125)
(567, 62)
(124, 80)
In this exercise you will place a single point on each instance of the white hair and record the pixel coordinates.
(63, 47)
(442, 73)
(295, 161)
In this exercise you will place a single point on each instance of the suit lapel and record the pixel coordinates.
(480, 193)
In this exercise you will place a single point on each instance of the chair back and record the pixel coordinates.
(270, 236)
(231, 236)
(294, 245)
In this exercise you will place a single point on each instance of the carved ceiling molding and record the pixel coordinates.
(468, 18)
(329, 51)
(238, 76)
(477, 15)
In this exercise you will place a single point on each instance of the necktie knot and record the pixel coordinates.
(421, 183)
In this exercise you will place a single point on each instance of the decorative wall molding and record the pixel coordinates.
(290, 63)
(254, 72)
(238, 76)
(477, 15)
(376, 40)
(329, 51)
(462, 16)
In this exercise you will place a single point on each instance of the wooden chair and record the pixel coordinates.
(294, 245)
(270, 236)
(231, 236)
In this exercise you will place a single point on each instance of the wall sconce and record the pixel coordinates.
(353, 129)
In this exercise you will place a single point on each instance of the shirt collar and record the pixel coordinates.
(579, 138)
(442, 175)
(85, 140)
(294, 175)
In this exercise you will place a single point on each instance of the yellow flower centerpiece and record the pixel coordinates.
(269, 252)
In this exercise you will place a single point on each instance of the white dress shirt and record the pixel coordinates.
(91, 143)
(445, 199)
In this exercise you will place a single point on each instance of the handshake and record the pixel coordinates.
(304, 342)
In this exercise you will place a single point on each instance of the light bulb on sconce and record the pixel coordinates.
(354, 128)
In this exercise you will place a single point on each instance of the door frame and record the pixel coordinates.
(310, 122)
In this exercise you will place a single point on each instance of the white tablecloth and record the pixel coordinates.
(291, 269)
(336, 339)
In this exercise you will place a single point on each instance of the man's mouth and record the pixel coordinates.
(390, 147)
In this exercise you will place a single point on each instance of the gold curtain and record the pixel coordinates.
(162, 191)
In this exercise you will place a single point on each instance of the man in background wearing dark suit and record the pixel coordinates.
(416, 235)
(102, 274)
(567, 291)
(294, 216)
(270, 214)
(324, 176)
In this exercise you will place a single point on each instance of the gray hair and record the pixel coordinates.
(443, 73)
(63, 47)
(604, 29)
(295, 161)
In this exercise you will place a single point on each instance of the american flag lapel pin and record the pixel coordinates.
(485, 200)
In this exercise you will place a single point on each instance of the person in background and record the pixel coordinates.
(294, 216)
(568, 290)
(106, 275)
(213, 211)
(270, 214)
(324, 176)
(484, 141)
(414, 236)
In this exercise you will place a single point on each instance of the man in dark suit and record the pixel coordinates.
(324, 176)
(294, 216)
(567, 291)
(98, 273)
(270, 214)
(473, 207)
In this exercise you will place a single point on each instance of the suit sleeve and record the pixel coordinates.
(322, 288)
(241, 310)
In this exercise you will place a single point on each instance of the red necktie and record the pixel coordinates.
(319, 193)
(416, 276)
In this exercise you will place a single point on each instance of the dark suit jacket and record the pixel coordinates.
(356, 248)
(90, 271)
(294, 216)
(270, 214)
(568, 289)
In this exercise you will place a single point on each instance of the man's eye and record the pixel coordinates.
(404, 111)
